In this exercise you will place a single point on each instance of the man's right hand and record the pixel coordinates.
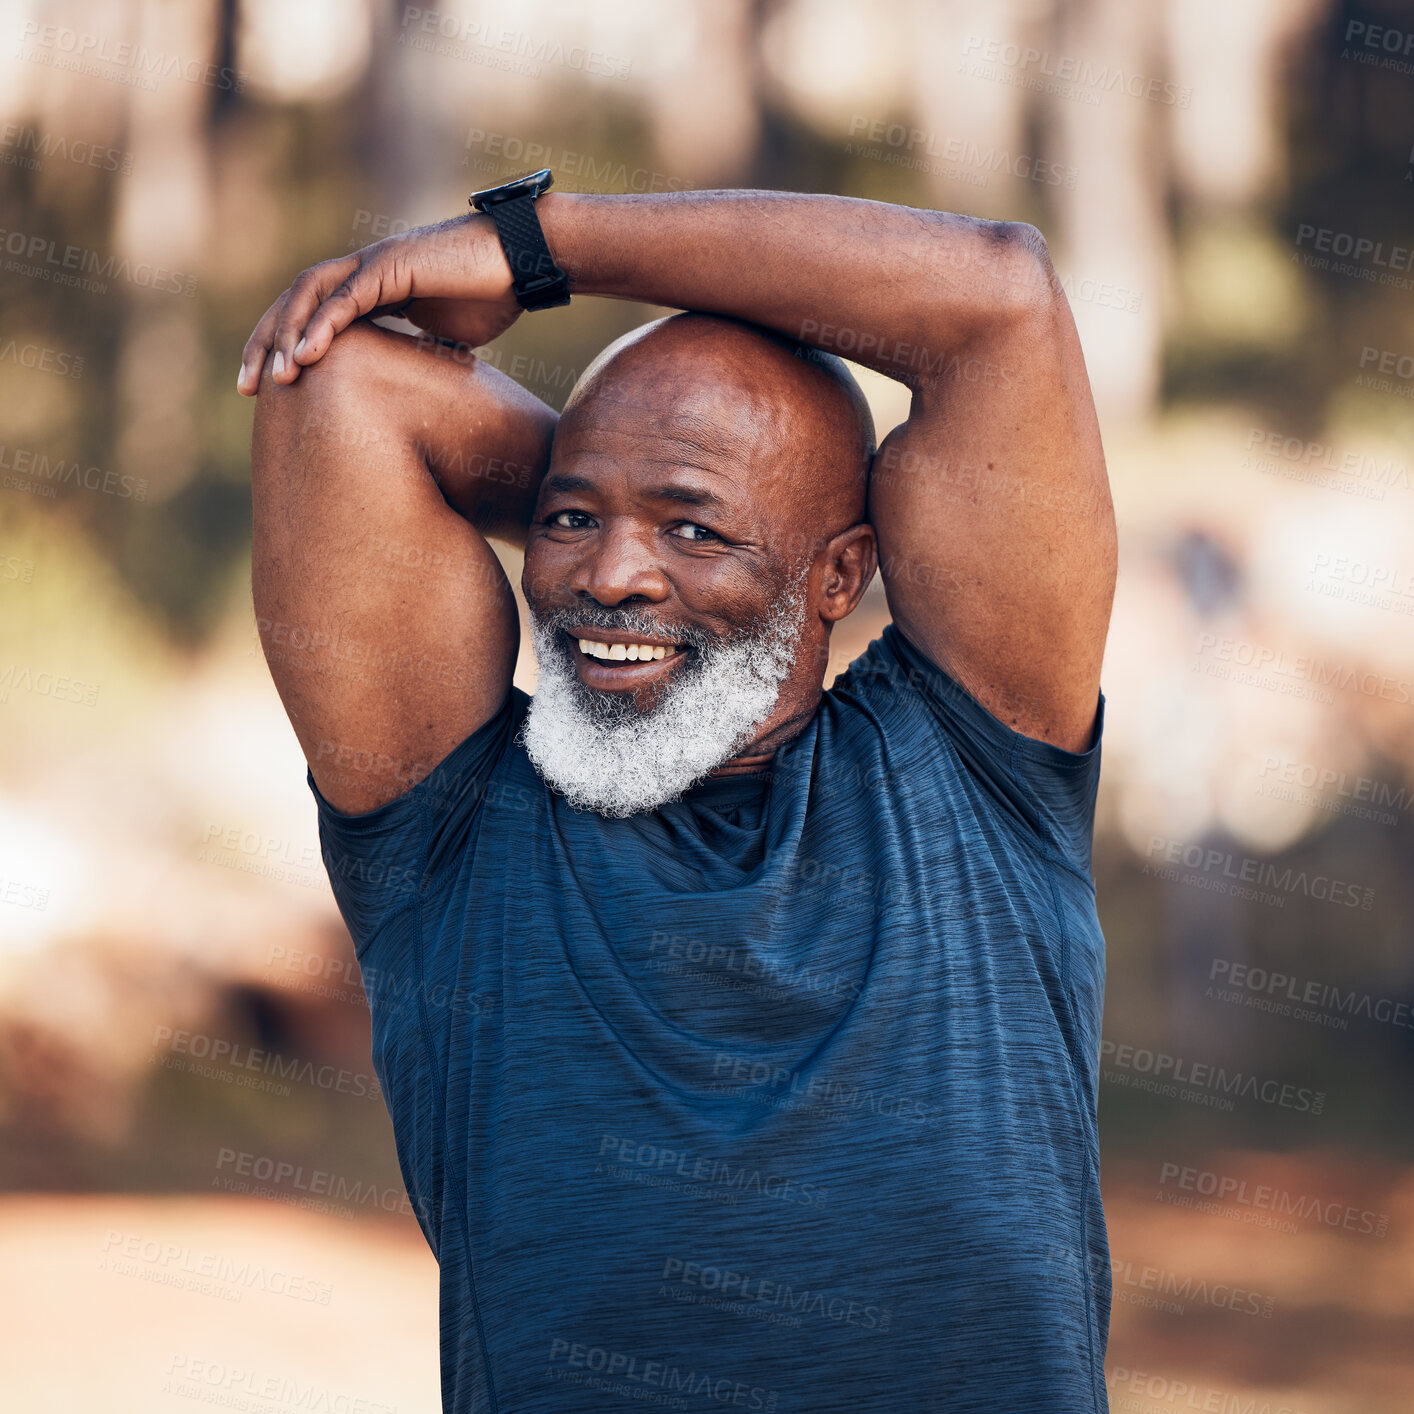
(452, 280)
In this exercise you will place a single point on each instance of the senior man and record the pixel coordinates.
(739, 1036)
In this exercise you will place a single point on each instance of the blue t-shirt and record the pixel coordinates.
(779, 1097)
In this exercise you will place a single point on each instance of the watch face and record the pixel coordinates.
(533, 185)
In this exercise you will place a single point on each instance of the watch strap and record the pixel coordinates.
(538, 282)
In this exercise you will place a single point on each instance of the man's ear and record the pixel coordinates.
(849, 559)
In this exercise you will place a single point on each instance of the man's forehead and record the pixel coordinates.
(659, 468)
(718, 431)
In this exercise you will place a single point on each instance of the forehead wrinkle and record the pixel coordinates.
(708, 450)
(722, 417)
(640, 464)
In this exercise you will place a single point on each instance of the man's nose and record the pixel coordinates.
(623, 563)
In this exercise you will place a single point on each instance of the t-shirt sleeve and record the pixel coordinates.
(382, 861)
(1048, 790)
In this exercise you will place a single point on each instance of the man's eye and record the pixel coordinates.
(696, 532)
(570, 520)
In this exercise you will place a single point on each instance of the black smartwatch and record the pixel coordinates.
(538, 282)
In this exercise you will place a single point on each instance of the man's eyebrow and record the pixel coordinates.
(564, 482)
(688, 495)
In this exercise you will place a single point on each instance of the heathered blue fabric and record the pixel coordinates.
(779, 1097)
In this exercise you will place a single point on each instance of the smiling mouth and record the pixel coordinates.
(625, 652)
(603, 661)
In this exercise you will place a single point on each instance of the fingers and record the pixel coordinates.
(376, 284)
(280, 326)
(256, 349)
(306, 295)
(298, 328)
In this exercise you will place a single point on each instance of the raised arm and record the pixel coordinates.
(388, 624)
(991, 503)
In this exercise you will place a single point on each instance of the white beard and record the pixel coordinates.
(601, 753)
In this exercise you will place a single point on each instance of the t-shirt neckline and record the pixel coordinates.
(721, 792)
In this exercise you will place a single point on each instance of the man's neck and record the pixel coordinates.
(742, 765)
(760, 753)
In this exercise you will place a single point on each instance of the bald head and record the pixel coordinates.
(789, 417)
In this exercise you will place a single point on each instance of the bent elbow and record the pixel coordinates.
(991, 273)
(1024, 235)
(1026, 279)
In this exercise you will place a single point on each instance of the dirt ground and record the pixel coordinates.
(1294, 1293)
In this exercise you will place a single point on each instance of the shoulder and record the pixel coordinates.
(939, 739)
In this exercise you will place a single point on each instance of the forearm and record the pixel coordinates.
(893, 287)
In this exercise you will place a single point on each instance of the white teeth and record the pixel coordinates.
(625, 652)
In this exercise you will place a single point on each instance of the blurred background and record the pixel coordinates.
(200, 1200)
